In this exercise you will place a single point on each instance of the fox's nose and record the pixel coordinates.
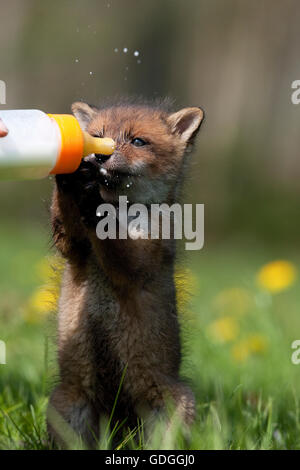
(101, 158)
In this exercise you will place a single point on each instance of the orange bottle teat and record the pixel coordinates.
(76, 144)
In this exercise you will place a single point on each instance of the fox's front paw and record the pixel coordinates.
(83, 187)
(79, 180)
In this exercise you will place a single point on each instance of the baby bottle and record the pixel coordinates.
(39, 144)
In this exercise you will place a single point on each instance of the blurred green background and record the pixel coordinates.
(236, 60)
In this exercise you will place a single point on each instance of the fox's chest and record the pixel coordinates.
(125, 341)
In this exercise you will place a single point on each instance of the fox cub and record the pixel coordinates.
(117, 310)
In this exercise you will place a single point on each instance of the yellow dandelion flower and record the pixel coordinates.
(224, 329)
(277, 276)
(231, 301)
(41, 303)
(50, 269)
(253, 344)
(43, 300)
(185, 283)
(240, 351)
(258, 343)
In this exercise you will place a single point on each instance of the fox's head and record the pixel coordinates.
(151, 145)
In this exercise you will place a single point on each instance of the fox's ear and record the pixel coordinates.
(84, 113)
(186, 123)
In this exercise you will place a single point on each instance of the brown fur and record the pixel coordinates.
(118, 303)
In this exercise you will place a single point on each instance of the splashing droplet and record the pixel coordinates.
(125, 50)
(91, 73)
(136, 53)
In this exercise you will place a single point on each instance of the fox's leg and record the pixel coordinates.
(184, 400)
(71, 416)
(172, 406)
(174, 402)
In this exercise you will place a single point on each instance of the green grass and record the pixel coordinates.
(246, 400)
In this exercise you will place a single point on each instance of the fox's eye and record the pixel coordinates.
(138, 142)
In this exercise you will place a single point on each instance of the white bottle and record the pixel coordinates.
(39, 144)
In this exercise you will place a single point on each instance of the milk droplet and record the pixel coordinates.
(136, 53)
(116, 49)
(91, 73)
(76, 60)
(125, 50)
(139, 61)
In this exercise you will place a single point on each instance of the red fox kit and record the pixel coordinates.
(117, 309)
